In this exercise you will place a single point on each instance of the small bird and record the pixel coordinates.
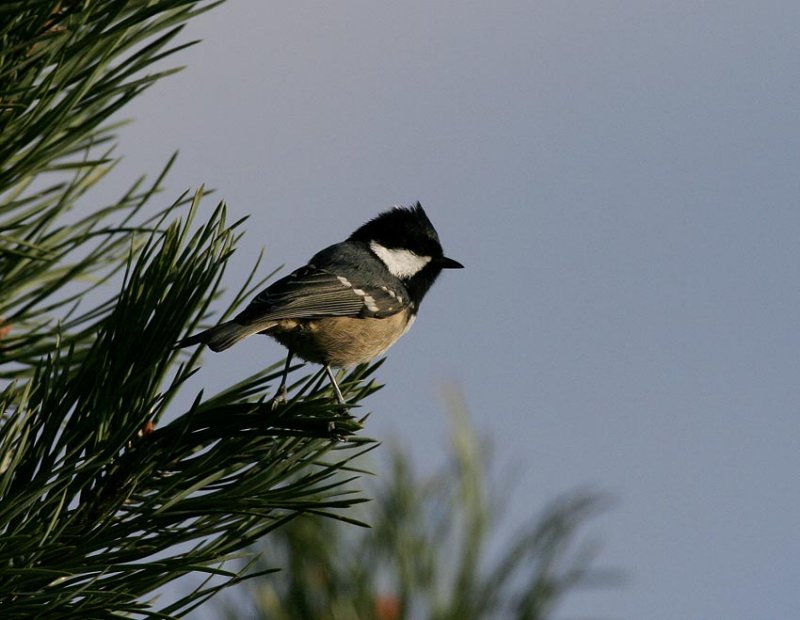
(351, 302)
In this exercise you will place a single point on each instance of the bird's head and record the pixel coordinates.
(404, 239)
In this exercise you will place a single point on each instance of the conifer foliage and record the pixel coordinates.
(110, 488)
(432, 550)
(107, 492)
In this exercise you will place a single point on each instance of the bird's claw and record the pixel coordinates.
(280, 398)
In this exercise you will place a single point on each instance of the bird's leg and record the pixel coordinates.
(281, 394)
(335, 385)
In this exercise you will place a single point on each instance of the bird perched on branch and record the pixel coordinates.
(351, 302)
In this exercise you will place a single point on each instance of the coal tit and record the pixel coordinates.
(351, 302)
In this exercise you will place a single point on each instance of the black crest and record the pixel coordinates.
(402, 227)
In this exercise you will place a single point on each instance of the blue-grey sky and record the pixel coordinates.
(621, 180)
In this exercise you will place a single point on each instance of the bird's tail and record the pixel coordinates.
(222, 336)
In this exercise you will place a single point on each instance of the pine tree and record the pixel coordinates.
(107, 490)
(432, 551)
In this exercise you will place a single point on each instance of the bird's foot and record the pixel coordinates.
(280, 398)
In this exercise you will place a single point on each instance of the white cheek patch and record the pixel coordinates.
(401, 263)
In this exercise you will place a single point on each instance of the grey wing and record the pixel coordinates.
(315, 293)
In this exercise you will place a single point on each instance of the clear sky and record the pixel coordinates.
(621, 180)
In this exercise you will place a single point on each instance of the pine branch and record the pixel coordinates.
(96, 507)
(65, 68)
(105, 493)
(426, 552)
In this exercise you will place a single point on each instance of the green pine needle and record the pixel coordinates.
(108, 489)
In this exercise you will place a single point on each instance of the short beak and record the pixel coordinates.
(449, 263)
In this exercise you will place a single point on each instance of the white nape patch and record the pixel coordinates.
(401, 263)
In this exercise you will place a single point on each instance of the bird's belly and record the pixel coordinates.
(340, 341)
